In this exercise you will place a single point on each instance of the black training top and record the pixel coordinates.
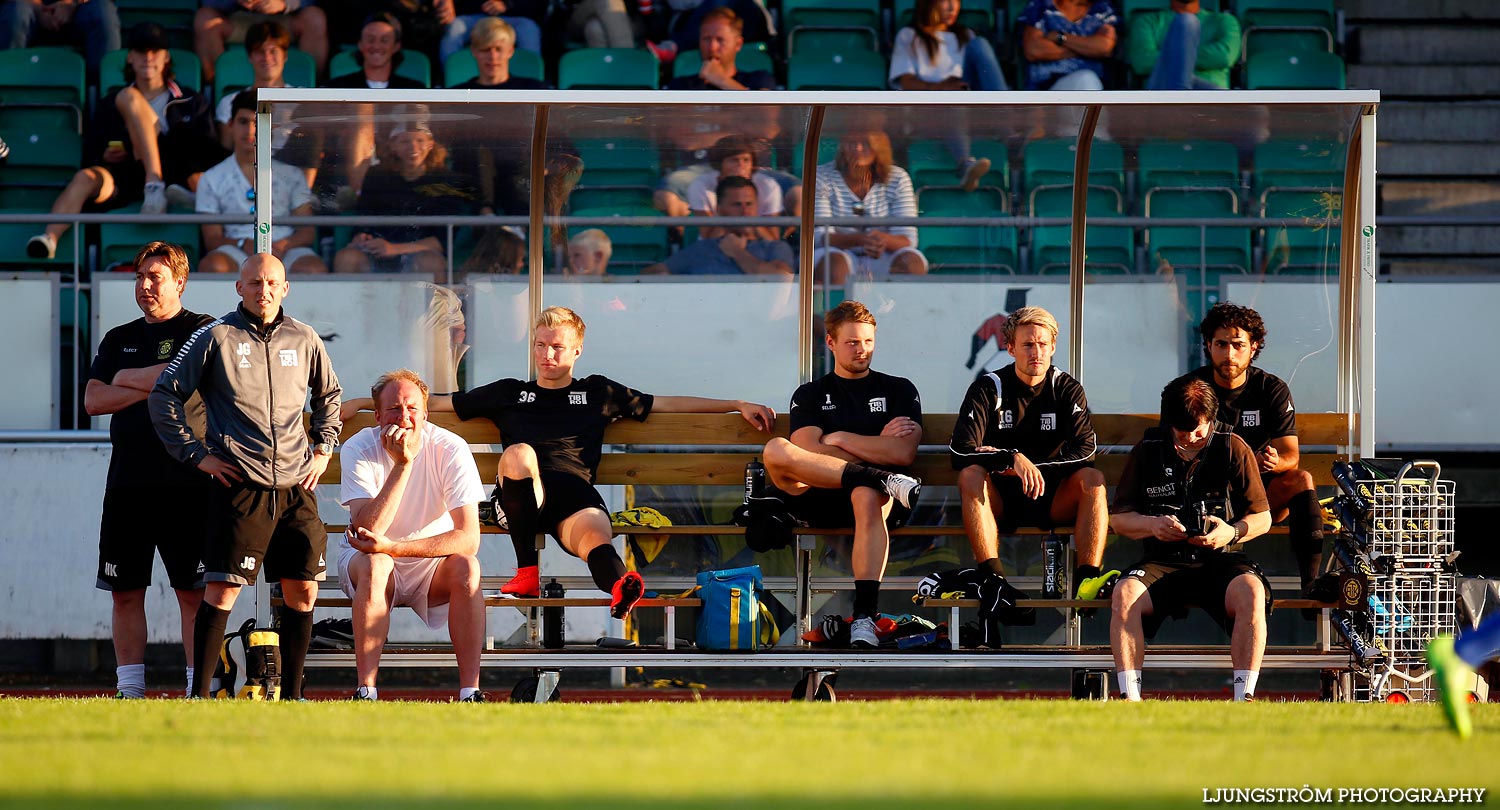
(861, 406)
(139, 459)
(1157, 481)
(1048, 423)
(1258, 411)
(565, 426)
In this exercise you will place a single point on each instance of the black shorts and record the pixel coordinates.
(1175, 586)
(563, 496)
(136, 523)
(833, 509)
(129, 177)
(1017, 510)
(251, 527)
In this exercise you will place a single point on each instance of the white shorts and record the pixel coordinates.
(862, 265)
(293, 255)
(413, 580)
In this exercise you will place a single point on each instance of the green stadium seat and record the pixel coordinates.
(827, 149)
(1290, 40)
(232, 71)
(1302, 248)
(185, 67)
(967, 249)
(120, 241)
(414, 65)
(1199, 164)
(618, 162)
(50, 77)
(751, 57)
(847, 70)
(461, 67)
(1108, 249)
(1297, 164)
(13, 238)
(609, 197)
(1301, 13)
(1049, 162)
(1285, 70)
(633, 247)
(30, 119)
(1182, 246)
(930, 164)
(836, 13)
(817, 39)
(608, 68)
(42, 158)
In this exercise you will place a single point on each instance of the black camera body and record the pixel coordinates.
(1194, 516)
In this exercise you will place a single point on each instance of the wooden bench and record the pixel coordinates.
(713, 449)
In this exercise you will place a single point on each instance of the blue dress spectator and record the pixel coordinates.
(1066, 43)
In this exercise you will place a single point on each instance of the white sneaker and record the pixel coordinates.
(182, 197)
(154, 200)
(42, 246)
(862, 634)
(905, 489)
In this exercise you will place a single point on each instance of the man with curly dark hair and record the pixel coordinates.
(1257, 406)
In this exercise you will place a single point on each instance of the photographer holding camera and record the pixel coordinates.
(1192, 495)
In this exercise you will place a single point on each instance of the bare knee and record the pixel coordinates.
(216, 262)
(1246, 596)
(129, 600)
(351, 260)
(1126, 597)
(869, 505)
(910, 264)
(376, 572)
(463, 574)
(518, 461)
(1090, 480)
(778, 452)
(972, 481)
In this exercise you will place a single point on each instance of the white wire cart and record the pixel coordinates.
(1397, 533)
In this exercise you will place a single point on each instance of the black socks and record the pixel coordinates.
(605, 566)
(858, 475)
(866, 598)
(991, 566)
(518, 499)
(295, 630)
(208, 638)
(1305, 529)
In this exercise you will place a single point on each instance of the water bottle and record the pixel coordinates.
(1364, 651)
(1346, 475)
(1052, 565)
(552, 617)
(755, 480)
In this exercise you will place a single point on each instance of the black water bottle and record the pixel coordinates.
(552, 617)
(1052, 567)
(755, 480)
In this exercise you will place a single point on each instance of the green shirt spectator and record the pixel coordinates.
(1160, 40)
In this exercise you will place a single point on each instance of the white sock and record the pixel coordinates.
(1130, 683)
(368, 692)
(464, 692)
(130, 680)
(190, 680)
(1244, 682)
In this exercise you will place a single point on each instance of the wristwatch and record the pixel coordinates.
(1238, 532)
(1061, 38)
(323, 449)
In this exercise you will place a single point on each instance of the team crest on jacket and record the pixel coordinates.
(288, 357)
(243, 351)
(578, 398)
(1049, 421)
(877, 405)
(1250, 419)
(164, 350)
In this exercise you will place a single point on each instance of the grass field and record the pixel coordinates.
(870, 755)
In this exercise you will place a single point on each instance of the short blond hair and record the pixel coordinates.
(594, 240)
(399, 375)
(1028, 316)
(847, 312)
(556, 317)
(491, 31)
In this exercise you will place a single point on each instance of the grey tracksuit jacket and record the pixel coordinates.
(254, 381)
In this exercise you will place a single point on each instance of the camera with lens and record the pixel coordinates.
(1194, 517)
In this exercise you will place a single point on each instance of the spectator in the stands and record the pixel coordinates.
(937, 52)
(720, 38)
(266, 44)
(220, 23)
(756, 24)
(147, 134)
(229, 188)
(601, 23)
(524, 16)
(493, 43)
(378, 55)
(863, 181)
(1186, 47)
(1066, 42)
(738, 249)
(92, 24)
(733, 155)
(588, 253)
(412, 181)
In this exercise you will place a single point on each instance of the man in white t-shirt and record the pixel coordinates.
(413, 494)
(229, 188)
